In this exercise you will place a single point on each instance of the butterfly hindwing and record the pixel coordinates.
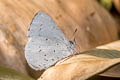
(45, 52)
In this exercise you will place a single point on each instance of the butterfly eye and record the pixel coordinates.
(72, 43)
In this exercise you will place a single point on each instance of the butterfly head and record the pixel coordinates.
(72, 43)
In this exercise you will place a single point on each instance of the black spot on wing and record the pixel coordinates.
(52, 59)
(45, 59)
(40, 50)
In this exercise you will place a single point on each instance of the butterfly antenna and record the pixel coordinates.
(73, 36)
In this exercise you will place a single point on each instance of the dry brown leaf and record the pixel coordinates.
(112, 72)
(79, 67)
(113, 51)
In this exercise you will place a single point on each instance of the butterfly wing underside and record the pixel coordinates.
(46, 43)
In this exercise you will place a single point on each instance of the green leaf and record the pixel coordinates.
(9, 74)
(106, 3)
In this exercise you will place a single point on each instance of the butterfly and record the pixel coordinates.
(46, 44)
